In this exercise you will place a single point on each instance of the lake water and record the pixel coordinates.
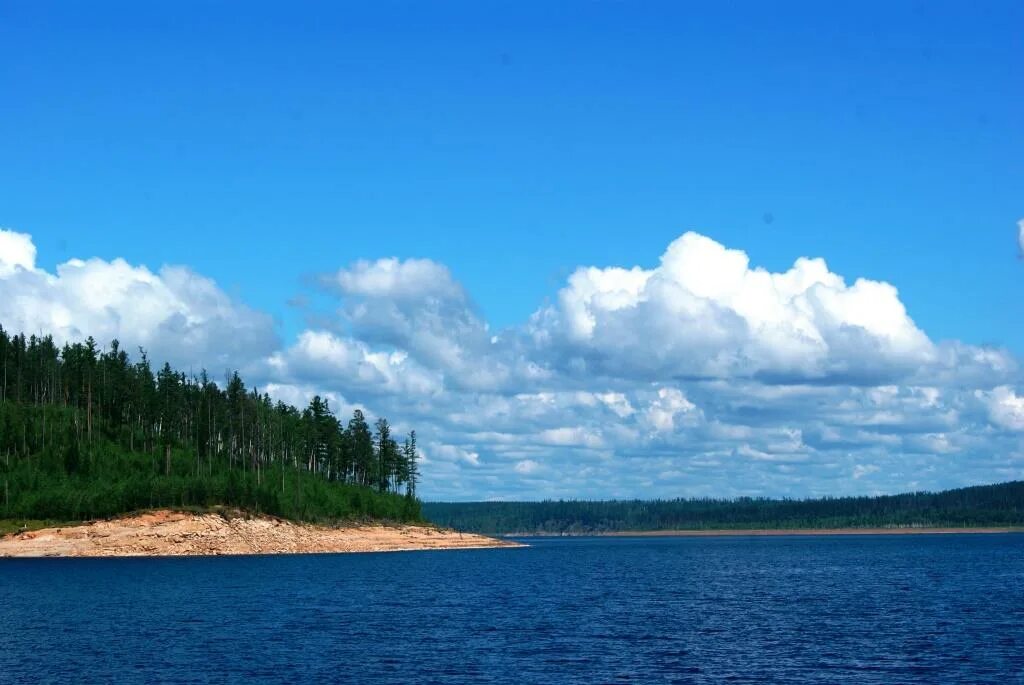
(871, 609)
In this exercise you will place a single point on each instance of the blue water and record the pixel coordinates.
(929, 609)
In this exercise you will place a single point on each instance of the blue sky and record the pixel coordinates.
(513, 143)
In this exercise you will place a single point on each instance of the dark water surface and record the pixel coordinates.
(871, 609)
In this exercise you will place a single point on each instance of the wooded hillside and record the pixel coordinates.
(86, 432)
(985, 505)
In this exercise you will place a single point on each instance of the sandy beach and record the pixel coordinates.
(169, 533)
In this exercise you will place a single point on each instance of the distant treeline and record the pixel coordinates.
(984, 505)
(87, 433)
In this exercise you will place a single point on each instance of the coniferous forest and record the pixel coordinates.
(88, 432)
(983, 505)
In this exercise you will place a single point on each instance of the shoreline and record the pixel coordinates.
(776, 532)
(166, 533)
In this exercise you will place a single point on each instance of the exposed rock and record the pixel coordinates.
(170, 533)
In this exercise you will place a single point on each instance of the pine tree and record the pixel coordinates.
(385, 455)
(361, 442)
(89, 428)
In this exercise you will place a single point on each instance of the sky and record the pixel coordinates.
(585, 250)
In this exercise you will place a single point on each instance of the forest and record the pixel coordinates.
(984, 505)
(88, 432)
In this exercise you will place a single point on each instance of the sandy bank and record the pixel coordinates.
(167, 533)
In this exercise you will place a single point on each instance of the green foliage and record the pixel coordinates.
(86, 434)
(117, 481)
(986, 505)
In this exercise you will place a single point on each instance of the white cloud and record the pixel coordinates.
(702, 376)
(705, 312)
(571, 436)
(526, 467)
(396, 279)
(16, 251)
(452, 453)
(415, 305)
(1005, 407)
(177, 314)
(350, 365)
(670, 409)
(861, 470)
(618, 403)
(1020, 236)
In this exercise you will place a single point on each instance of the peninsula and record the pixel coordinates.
(175, 533)
(103, 456)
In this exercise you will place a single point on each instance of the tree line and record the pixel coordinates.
(70, 412)
(986, 505)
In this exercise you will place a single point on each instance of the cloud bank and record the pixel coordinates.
(175, 313)
(700, 375)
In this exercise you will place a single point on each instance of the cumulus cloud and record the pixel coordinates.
(704, 375)
(671, 407)
(451, 453)
(571, 436)
(17, 251)
(175, 313)
(351, 365)
(392, 278)
(1005, 407)
(617, 402)
(679, 373)
(417, 306)
(526, 467)
(704, 312)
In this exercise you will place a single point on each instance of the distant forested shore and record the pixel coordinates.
(87, 433)
(1000, 505)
